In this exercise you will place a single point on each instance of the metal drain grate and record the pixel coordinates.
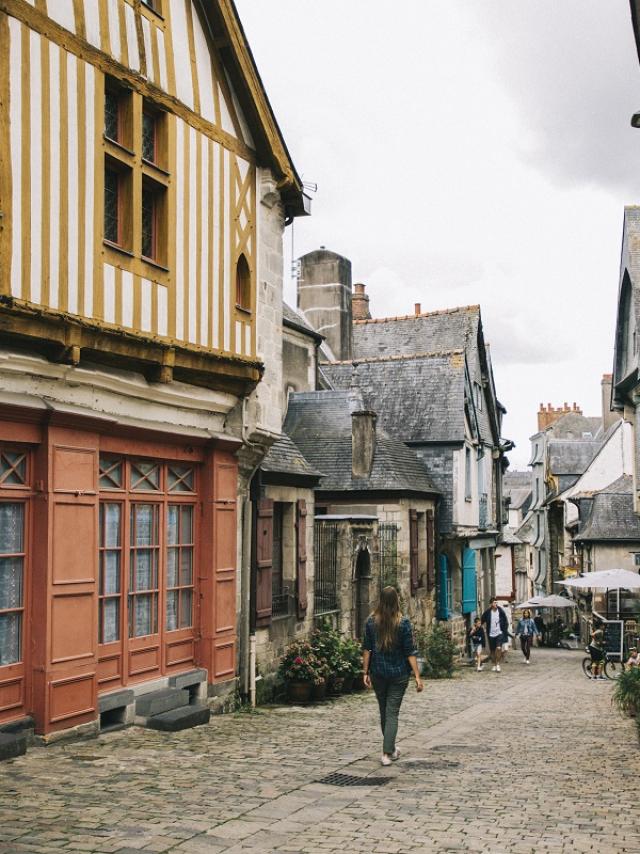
(337, 779)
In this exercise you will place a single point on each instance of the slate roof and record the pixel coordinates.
(320, 425)
(291, 317)
(285, 458)
(516, 485)
(573, 425)
(450, 329)
(418, 398)
(510, 538)
(612, 514)
(571, 456)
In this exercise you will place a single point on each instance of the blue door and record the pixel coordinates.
(469, 581)
(443, 588)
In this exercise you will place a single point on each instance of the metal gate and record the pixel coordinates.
(325, 592)
(388, 551)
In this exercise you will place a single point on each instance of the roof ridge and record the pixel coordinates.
(399, 357)
(440, 311)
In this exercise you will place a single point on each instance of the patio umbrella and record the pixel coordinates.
(554, 601)
(607, 579)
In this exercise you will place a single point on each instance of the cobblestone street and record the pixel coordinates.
(532, 759)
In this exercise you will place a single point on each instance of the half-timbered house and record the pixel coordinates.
(144, 189)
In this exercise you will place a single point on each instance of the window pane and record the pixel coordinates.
(186, 597)
(110, 522)
(145, 475)
(110, 473)
(111, 206)
(172, 525)
(186, 573)
(10, 582)
(11, 528)
(144, 574)
(110, 582)
(13, 467)
(172, 610)
(180, 479)
(111, 115)
(142, 608)
(148, 223)
(149, 137)
(186, 524)
(110, 624)
(10, 635)
(142, 528)
(172, 568)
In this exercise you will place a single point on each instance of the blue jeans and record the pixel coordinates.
(389, 693)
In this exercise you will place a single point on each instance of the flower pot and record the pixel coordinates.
(319, 690)
(347, 684)
(335, 686)
(358, 682)
(299, 692)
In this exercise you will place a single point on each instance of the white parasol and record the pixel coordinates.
(552, 601)
(606, 579)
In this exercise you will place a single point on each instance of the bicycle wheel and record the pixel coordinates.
(586, 667)
(613, 669)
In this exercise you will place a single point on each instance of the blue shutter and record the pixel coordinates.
(443, 588)
(469, 582)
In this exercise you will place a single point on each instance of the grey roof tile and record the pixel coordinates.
(571, 456)
(285, 458)
(612, 514)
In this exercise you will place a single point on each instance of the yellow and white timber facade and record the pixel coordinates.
(144, 192)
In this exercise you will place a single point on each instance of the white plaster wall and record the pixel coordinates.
(465, 513)
(614, 556)
(503, 572)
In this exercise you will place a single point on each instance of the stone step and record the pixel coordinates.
(178, 719)
(158, 702)
(13, 744)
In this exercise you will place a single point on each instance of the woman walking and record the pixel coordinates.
(389, 656)
(527, 630)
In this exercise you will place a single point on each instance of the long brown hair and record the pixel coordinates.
(387, 618)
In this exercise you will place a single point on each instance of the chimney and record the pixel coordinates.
(324, 297)
(363, 442)
(417, 309)
(548, 415)
(609, 417)
(360, 303)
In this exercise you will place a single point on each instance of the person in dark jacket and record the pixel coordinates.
(526, 631)
(388, 658)
(496, 625)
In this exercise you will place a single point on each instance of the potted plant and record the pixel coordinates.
(352, 654)
(626, 694)
(299, 668)
(327, 646)
(319, 688)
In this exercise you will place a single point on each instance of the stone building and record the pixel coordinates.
(144, 189)
(514, 558)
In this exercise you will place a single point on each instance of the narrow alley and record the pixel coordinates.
(533, 759)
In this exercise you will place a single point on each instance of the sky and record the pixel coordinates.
(468, 151)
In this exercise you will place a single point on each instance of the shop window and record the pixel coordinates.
(180, 544)
(181, 478)
(12, 558)
(145, 476)
(243, 284)
(13, 468)
(111, 473)
(110, 561)
(144, 556)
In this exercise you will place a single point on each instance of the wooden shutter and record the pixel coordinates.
(301, 558)
(469, 582)
(413, 549)
(264, 559)
(431, 551)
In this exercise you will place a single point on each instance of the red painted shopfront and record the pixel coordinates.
(117, 562)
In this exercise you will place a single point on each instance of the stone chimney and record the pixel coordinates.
(360, 303)
(324, 297)
(417, 308)
(549, 415)
(363, 442)
(609, 417)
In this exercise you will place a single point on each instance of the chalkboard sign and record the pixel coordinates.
(614, 637)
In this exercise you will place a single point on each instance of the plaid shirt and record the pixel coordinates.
(390, 663)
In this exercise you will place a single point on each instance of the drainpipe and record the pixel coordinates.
(252, 670)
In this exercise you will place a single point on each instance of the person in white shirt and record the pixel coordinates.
(497, 627)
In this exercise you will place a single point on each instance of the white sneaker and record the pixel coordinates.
(395, 755)
(526, 661)
(479, 669)
(386, 760)
(494, 668)
(498, 668)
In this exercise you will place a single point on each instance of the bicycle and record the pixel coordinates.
(612, 667)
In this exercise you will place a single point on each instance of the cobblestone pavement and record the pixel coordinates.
(532, 759)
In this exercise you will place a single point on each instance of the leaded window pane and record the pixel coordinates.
(141, 608)
(110, 627)
(11, 578)
(186, 519)
(186, 599)
(144, 575)
(10, 638)
(145, 475)
(142, 527)
(172, 610)
(149, 137)
(110, 573)
(11, 528)
(180, 478)
(111, 473)
(148, 223)
(172, 525)
(112, 527)
(13, 468)
(186, 569)
(111, 115)
(172, 568)
(111, 231)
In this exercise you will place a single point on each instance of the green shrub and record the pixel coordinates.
(352, 654)
(439, 651)
(626, 694)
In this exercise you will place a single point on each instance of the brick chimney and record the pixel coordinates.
(360, 303)
(363, 442)
(548, 415)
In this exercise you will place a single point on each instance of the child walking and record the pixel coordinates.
(476, 635)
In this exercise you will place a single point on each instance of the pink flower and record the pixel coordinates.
(297, 660)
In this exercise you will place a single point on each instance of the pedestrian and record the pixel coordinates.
(596, 650)
(497, 627)
(526, 630)
(540, 626)
(477, 638)
(389, 656)
(634, 658)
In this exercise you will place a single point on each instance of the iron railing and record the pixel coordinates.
(388, 550)
(325, 591)
(280, 602)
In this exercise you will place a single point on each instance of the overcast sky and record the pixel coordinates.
(469, 151)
